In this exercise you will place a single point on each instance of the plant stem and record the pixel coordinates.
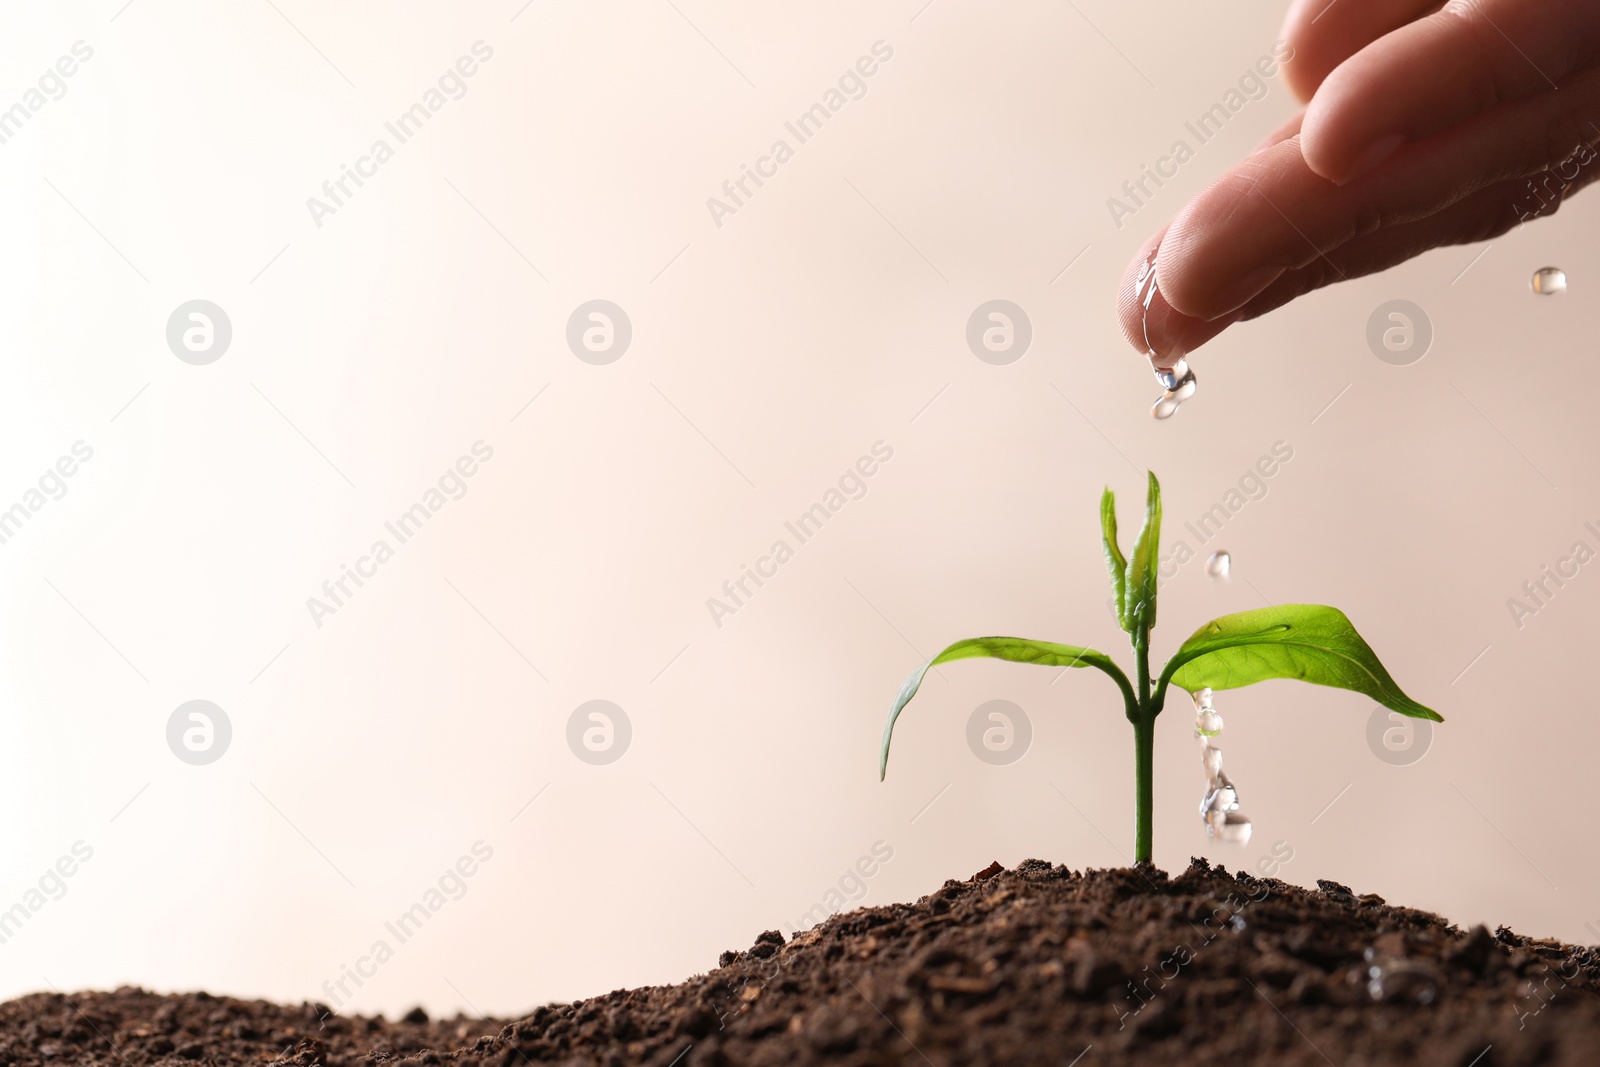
(1144, 740)
(1144, 737)
(1141, 653)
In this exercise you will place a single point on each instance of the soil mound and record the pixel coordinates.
(1038, 965)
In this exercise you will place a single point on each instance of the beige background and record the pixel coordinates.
(768, 354)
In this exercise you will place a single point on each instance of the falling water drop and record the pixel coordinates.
(1176, 376)
(1221, 797)
(1177, 384)
(1219, 563)
(1234, 828)
(1548, 281)
(1219, 808)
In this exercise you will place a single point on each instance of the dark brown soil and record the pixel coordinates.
(1041, 965)
(133, 1028)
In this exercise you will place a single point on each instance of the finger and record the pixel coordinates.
(1271, 214)
(1172, 333)
(1136, 307)
(1483, 216)
(1325, 33)
(1149, 323)
(1437, 71)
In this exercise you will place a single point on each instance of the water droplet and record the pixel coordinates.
(1219, 563)
(1222, 797)
(1177, 385)
(1231, 827)
(1548, 281)
(1220, 807)
(1175, 376)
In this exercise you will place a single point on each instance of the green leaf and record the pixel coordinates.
(1310, 642)
(1015, 649)
(1141, 590)
(1116, 563)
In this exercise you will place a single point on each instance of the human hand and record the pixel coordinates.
(1425, 126)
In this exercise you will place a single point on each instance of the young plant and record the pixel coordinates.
(1309, 642)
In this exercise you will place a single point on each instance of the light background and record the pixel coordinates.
(768, 354)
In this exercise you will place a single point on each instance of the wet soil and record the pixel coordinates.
(1038, 965)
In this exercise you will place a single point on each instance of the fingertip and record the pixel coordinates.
(1376, 101)
(1318, 43)
(1301, 81)
(1130, 293)
(1338, 142)
(1190, 287)
(1219, 253)
(1325, 135)
(1322, 34)
(1149, 322)
(1300, 73)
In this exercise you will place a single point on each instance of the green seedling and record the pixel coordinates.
(1309, 642)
